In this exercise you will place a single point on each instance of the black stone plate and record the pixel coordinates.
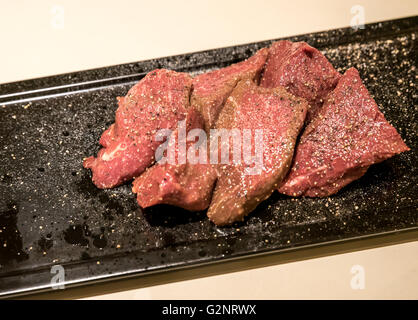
(51, 213)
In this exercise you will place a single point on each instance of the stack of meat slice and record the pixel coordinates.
(189, 185)
(276, 91)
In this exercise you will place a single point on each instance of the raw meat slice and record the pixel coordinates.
(280, 116)
(347, 136)
(211, 89)
(186, 185)
(302, 70)
(158, 101)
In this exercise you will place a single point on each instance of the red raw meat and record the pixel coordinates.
(212, 88)
(189, 185)
(347, 136)
(302, 70)
(280, 115)
(158, 101)
(184, 185)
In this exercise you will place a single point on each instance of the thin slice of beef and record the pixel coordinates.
(187, 183)
(280, 115)
(212, 88)
(302, 70)
(158, 101)
(347, 136)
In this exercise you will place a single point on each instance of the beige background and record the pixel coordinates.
(40, 38)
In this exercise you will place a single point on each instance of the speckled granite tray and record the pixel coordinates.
(51, 213)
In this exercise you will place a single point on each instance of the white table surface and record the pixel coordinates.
(40, 38)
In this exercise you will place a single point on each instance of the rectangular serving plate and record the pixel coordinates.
(52, 215)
